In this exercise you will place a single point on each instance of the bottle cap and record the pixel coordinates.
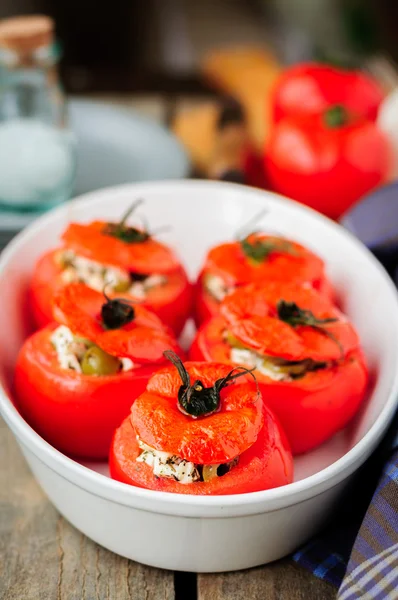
(25, 34)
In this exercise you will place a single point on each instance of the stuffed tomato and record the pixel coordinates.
(125, 259)
(306, 355)
(76, 380)
(255, 258)
(201, 428)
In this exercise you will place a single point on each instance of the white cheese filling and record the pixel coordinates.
(139, 289)
(96, 275)
(127, 364)
(168, 465)
(253, 360)
(217, 287)
(70, 350)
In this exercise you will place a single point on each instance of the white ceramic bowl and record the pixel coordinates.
(226, 532)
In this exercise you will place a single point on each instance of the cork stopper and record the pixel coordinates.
(26, 34)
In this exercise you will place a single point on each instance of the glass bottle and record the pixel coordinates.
(37, 150)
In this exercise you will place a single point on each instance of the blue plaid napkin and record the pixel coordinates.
(358, 552)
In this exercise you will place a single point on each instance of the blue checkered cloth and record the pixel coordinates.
(358, 552)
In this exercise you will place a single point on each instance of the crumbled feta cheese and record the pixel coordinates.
(251, 360)
(65, 347)
(127, 364)
(94, 274)
(168, 465)
(140, 288)
(217, 287)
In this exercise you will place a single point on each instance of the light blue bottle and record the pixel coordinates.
(37, 150)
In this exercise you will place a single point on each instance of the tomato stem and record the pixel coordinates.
(247, 228)
(129, 235)
(130, 211)
(336, 116)
(195, 399)
(258, 250)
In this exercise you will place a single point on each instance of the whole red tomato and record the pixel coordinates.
(327, 161)
(308, 89)
(78, 412)
(239, 429)
(314, 403)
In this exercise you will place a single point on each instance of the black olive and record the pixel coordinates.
(116, 313)
(138, 276)
(223, 470)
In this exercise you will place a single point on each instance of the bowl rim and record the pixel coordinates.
(189, 505)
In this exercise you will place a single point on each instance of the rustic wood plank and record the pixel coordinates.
(42, 556)
(282, 580)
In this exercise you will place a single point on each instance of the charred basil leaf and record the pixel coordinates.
(195, 399)
(293, 315)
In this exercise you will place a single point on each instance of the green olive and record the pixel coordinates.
(298, 369)
(209, 472)
(280, 367)
(97, 362)
(62, 260)
(234, 342)
(274, 366)
(292, 368)
(83, 341)
(122, 286)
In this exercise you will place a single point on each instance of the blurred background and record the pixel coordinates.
(158, 45)
(167, 89)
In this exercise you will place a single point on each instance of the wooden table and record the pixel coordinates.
(42, 557)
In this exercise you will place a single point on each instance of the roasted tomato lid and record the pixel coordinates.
(121, 245)
(260, 257)
(290, 321)
(117, 325)
(160, 418)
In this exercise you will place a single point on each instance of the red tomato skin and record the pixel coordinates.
(173, 304)
(311, 88)
(45, 282)
(311, 409)
(267, 464)
(218, 438)
(174, 311)
(328, 169)
(76, 413)
(313, 412)
(205, 306)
